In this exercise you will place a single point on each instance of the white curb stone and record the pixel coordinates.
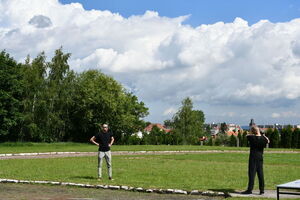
(21, 181)
(176, 191)
(220, 194)
(42, 182)
(105, 187)
(55, 183)
(130, 188)
(139, 189)
(124, 187)
(11, 181)
(169, 191)
(195, 192)
(113, 187)
(149, 191)
(100, 186)
(89, 186)
(43, 153)
(208, 193)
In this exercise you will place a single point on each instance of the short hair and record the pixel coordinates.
(254, 129)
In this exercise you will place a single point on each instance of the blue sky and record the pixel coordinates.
(202, 11)
(236, 59)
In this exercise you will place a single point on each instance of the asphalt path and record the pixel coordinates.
(80, 154)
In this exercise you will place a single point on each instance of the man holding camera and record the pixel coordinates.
(257, 143)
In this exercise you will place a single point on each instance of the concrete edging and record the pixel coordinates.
(117, 187)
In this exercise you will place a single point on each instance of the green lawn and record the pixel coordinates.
(214, 171)
(87, 147)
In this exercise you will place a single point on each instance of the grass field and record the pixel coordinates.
(205, 171)
(87, 147)
(214, 171)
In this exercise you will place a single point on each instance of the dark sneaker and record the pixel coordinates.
(110, 178)
(246, 192)
(261, 192)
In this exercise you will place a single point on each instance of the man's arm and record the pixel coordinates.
(268, 141)
(111, 141)
(93, 140)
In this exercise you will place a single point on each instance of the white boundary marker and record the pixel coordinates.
(116, 187)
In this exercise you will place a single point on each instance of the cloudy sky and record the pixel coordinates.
(236, 59)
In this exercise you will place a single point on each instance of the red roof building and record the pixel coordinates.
(160, 126)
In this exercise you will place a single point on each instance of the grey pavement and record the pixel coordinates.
(268, 194)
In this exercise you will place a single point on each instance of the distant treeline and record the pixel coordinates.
(44, 101)
(285, 138)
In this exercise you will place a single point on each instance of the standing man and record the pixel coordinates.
(257, 144)
(104, 139)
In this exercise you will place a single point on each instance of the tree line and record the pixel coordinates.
(285, 138)
(44, 101)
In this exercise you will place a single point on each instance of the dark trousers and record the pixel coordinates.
(255, 165)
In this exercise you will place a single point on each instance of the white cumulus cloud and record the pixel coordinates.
(159, 57)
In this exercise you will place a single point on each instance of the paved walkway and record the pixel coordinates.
(268, 194)
(76, 154)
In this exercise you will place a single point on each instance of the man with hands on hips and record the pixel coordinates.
(104, 139)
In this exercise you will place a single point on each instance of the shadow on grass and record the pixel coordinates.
(225, 190)
(85, 177)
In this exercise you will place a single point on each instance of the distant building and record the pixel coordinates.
(149, 128)
(231, 129)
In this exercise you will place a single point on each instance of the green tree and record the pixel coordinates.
(46, 101)
(58, 96)
(10, 97)
(224, 127)
(156, 136)
(244, 142)
(268, 133)
(101, 99)
(232, 141)
(34, 99)
(189, 123)
(286, 137)
(224, 139)
(275, 139)
(240, 138)
(295, 138)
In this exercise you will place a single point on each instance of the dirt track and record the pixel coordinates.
(36, 192)
(80, 154)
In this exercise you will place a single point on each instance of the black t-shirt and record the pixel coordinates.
(257, 145)
(103, 139)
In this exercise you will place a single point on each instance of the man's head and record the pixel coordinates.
(255, 130)
(105, 127)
